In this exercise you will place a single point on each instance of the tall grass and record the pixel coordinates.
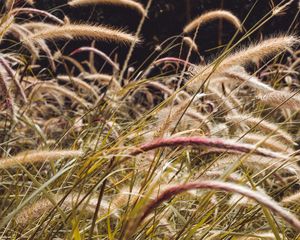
(172, 149)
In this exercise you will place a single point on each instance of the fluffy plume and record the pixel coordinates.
(124, 3)
(270, 143)
(295, 198)
(190, 42)
(36, 210)
(38, 156)
(264, 125)
(258, 163)
(84, 31)
(252, 54)
(281, 98)
(212, 15)
(256, 53)
(239, 74)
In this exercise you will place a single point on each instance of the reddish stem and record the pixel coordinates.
(208, 142)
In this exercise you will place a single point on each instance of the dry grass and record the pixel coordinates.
(94, 148)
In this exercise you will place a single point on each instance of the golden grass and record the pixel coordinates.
(124, 3)
(84, 31)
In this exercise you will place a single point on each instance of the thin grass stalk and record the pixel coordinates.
(17, 11)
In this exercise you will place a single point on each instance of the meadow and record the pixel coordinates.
(184, 141)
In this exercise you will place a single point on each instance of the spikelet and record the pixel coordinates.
(9, 4)
(270, 143)
(85, 203)
(212, 15)
(295, 198)
(38, 156)
(19, 33)
(258, 163)
(84, 31)
(256, 53)
(6, 22)
(124, 3)
(283, 98)
(167, 118)
(262, 125)
(253, 53)
(239, 74)
(43, 206)
(190, 42)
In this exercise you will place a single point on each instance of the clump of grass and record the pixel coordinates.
(147, 138)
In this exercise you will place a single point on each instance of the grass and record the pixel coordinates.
(172, 150)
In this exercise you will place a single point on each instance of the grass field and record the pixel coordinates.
(171, 149)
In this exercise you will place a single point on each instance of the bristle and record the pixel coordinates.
(190, 42)
(212, 15)
(260, 51)
(38, 156)
(263, 125)
(84, 31)
(125, 3)
(282, 99)
(294, 198)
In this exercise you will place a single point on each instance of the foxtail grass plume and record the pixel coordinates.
(43, 206)
(207, 142)
(260, 124)
(210, 16)
(190, 43)
(294, 198)
(85, 31)
(283, 99)
(257, 52)
(124, 3)
(38, 156)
